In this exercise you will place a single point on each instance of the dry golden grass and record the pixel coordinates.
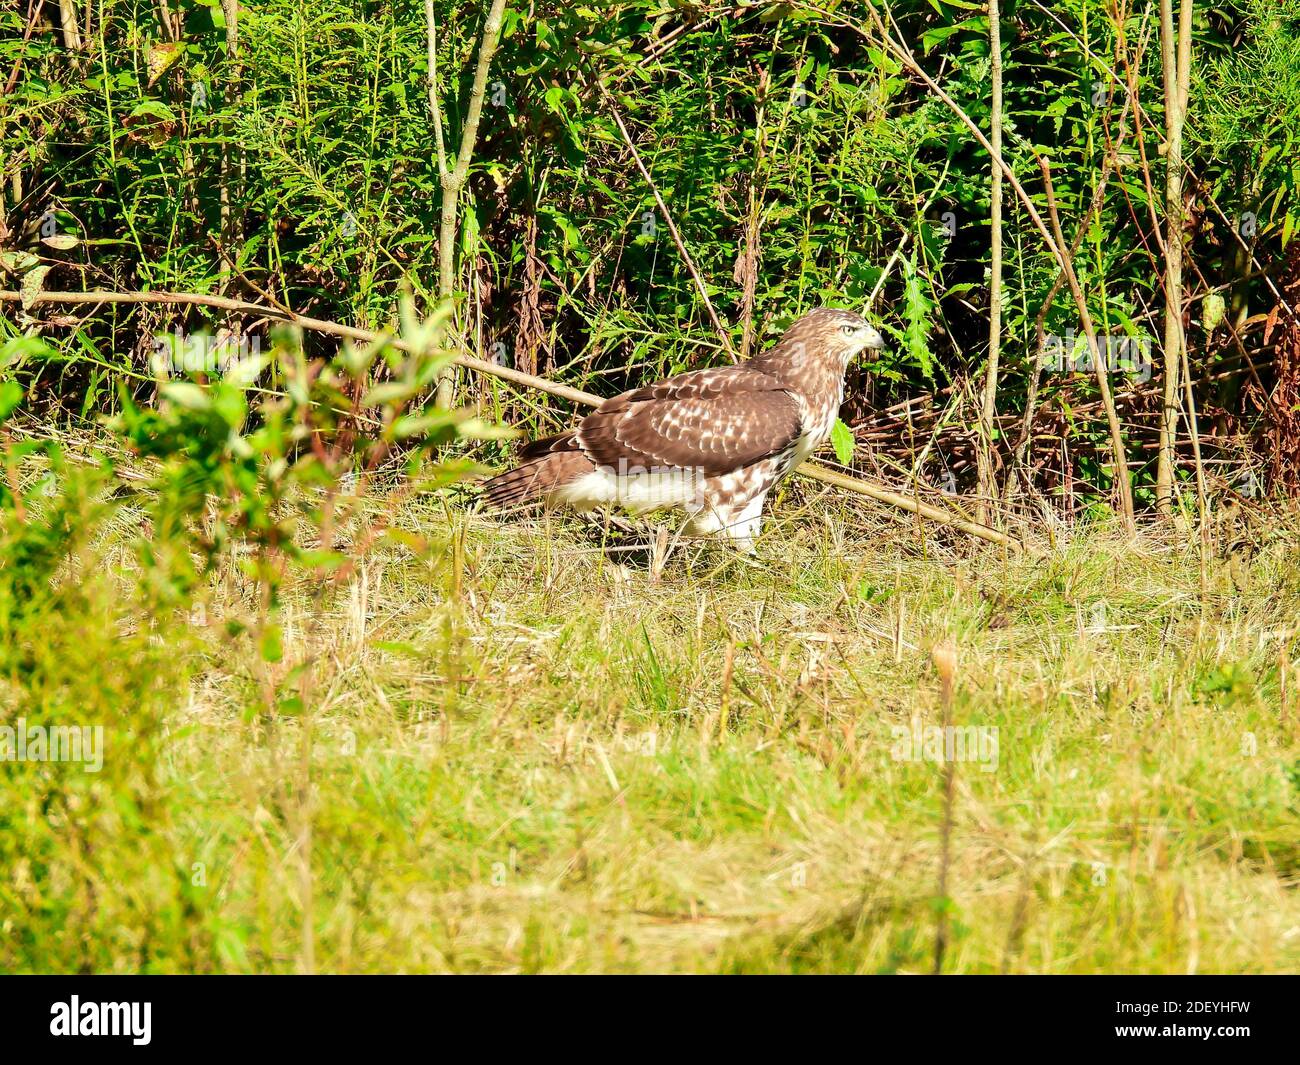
(526, 756)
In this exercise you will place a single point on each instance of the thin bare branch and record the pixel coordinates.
(723, 333)
(1119, 454)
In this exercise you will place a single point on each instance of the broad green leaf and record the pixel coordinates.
(162, 57)
(18, 262)
(391, 392)
(1213, 308)
(11, 394)
(843, 443)
(272, 644)
(31, 286)
(186, 394)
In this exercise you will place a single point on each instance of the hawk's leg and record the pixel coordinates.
(744, 525)
(739, 523)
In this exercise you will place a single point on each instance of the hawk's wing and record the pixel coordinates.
(711, 420)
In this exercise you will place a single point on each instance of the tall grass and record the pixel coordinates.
(514, 759)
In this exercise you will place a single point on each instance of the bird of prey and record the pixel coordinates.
(711, 442)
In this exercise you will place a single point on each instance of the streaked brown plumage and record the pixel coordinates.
(709, 442)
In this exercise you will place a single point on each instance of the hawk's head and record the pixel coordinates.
(826, 338)
(841, 331)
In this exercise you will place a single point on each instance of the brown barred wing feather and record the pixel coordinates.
(714, 421)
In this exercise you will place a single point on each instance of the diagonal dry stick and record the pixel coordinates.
(1123, 479)
(718, 327)
(517, 377)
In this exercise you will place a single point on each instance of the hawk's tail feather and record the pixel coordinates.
(548, 445)
(546, 466)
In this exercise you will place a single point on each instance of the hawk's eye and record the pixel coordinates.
(848, 330)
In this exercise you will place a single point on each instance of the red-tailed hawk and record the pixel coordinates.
(710, 442)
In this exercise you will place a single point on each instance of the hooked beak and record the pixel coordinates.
(874, 341)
